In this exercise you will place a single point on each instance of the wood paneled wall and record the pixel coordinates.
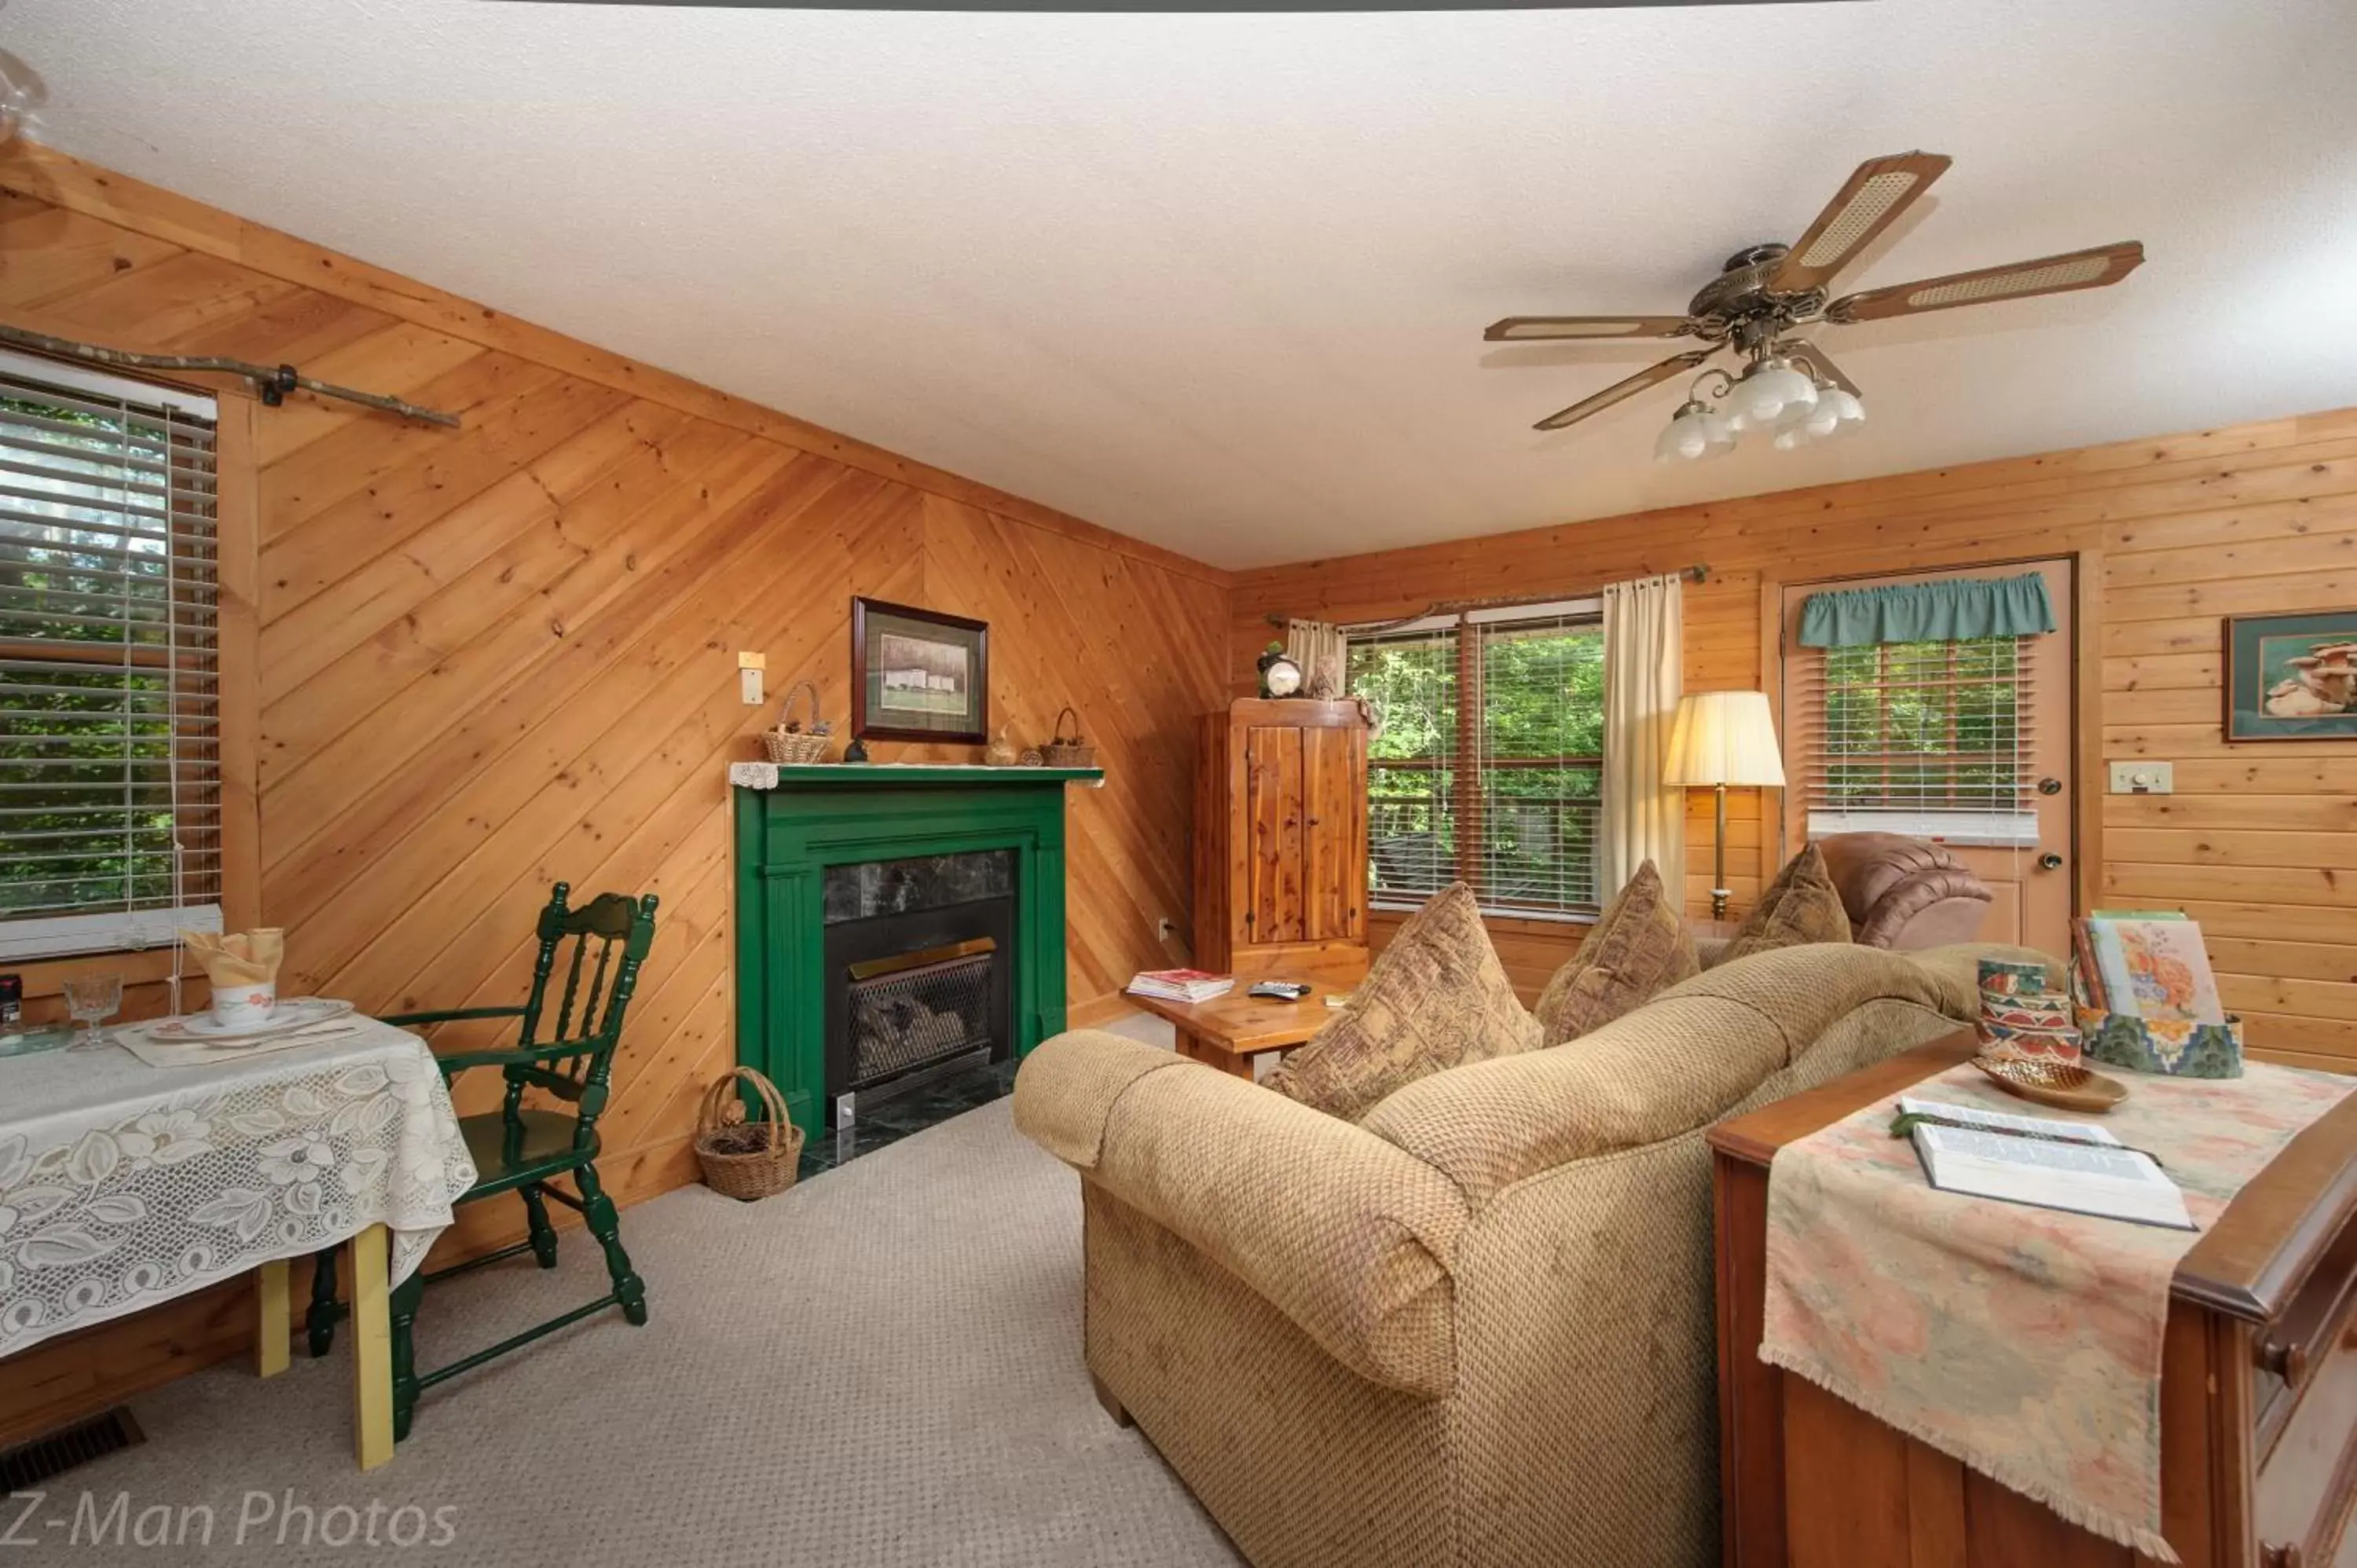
(2259, 842)
(494, 657)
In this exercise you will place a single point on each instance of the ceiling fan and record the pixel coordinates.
(1790, 389)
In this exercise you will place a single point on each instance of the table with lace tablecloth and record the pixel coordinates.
(123, 1185)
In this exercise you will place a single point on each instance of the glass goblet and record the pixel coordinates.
(91, 1000)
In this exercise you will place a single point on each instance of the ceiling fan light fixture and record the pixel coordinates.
(1767, 293)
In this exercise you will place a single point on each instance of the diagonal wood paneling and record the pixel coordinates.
(494, 658)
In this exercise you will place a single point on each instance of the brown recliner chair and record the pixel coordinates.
(1904, 893)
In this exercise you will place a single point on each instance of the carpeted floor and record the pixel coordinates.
(882, 1367)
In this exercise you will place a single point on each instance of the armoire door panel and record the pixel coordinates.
(1273, 782)
(1334, 788)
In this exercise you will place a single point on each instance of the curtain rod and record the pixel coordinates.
(1697, 572)
(272, 383)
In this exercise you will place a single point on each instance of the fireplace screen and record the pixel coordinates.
(913, 1010)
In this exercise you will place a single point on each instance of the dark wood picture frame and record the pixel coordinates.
(970, 634)
(2243, 675)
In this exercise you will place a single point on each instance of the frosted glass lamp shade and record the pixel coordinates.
(1723, 737)
(1694, 434)
(1764, 393)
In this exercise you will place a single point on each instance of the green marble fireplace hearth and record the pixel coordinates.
(846, 815)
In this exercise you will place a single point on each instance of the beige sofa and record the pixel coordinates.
(1475, 1329)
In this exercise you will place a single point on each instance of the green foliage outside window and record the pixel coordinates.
(1536, 769)
(1923, 726)
(85, 715)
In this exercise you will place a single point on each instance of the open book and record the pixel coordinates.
(2089, 1174)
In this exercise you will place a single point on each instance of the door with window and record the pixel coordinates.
(1964, 741)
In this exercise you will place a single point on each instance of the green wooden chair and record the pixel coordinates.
(521, 1150)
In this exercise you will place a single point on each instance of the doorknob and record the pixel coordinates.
(2050, 861)
(2049, 786)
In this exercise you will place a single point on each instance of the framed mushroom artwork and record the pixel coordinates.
(2291, 677)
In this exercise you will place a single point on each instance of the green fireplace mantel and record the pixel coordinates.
(793, 822)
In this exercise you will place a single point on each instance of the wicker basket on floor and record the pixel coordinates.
(790, 741)
(746, 1159)
(1072, 753)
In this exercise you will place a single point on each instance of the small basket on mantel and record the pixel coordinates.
(743, 1159)
(789, 741)
(1072, 753)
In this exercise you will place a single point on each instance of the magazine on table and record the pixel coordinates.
(1181, 985)
(2045, 1163)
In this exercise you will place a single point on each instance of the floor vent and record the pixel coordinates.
(27, 1464)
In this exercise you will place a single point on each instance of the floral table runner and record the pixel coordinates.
(2024, 1342)
(123, 1185)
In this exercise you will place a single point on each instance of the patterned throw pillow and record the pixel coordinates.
(1639, 947)
(1800, 906)
(1436, 998)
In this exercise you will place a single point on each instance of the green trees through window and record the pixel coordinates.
(1489, 761)
(106, 657)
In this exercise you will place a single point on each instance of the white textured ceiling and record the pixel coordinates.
(1219, 281)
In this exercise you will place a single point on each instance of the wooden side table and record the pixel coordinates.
(2258, 1393)
(1228, 1031)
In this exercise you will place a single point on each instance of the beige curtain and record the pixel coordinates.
(1317, 648)
(1644, 656)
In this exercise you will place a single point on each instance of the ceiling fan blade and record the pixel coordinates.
(1869, 201)
(1652, 375)
(1545, 328)
(1801, 348)
(2019, 280)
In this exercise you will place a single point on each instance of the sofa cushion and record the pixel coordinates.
(1638, 946)
(1435, 998)
(1800, 906)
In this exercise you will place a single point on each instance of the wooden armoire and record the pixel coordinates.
(1281, 840)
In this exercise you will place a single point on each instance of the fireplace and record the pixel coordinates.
(918, 954)
(894, 874)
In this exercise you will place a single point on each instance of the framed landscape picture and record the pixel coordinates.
(918, 675)
(2292, 676)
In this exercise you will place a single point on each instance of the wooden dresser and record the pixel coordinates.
(1281, 839)
(2259, 1385)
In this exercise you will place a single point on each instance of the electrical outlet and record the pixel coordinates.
(2144, 777)
(1165, 927)
(748, 687)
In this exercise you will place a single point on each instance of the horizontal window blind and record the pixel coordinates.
(1932, 739)
(1490, 759)
(109, 756)
(1411, 763)
(1541, 761)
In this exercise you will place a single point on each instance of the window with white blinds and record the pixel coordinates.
(109, 755)
(1932, 739)
(1489, 758)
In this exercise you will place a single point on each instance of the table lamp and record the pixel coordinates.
(1717, 740)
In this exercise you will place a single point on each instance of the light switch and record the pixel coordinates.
(2142, 777)
(749, 687)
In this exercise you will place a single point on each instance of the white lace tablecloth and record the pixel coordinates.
(123, 1185)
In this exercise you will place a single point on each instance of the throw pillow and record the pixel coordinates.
(1800, 906)
(1436, 998)
(1639, 947)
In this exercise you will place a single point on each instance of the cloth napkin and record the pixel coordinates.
(239, 958)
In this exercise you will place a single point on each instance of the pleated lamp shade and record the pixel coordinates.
(1723, 737)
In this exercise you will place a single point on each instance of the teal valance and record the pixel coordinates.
(1944, 611)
